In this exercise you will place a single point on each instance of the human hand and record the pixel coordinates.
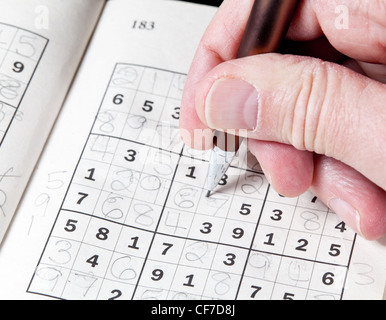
(312, 123)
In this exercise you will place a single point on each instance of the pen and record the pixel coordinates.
(268, 23)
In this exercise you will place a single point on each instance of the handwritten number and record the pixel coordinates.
(26, 44)
(9, 88)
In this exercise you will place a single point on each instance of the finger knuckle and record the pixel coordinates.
(315, 120)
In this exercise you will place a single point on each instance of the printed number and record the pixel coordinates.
(143, 25)
(341, 227)
(256, 290)
(176, 114)
(231, 259)
(148, 106)
(91, 175)
(82, 197)
(168, 246)
(118, 99)
(288, 296)
(190, 281)
(157, 275)
(131, 155)
(270, 238)
(134, 245)
(191, 173)
(18, 67)
(93, 261)
(117, 294)
(223, 180)
(303, 245)
(102, 234)
(334, 250)
(277, 215)
(9, 88)
(245, 209)
(238, 233)
(207, 228)
(328, 278)
(71, 225)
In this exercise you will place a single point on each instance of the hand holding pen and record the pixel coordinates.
(315, 119)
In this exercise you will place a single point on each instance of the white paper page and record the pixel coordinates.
(41, 45)
(117, 207)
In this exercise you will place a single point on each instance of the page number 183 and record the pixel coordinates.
(143, 25)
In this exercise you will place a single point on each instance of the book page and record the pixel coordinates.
(39, 55)
(117, 208)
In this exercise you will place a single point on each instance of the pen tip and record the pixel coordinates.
(208, 194)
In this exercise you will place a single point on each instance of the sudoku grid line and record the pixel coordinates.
(135, 222)
(20, 53)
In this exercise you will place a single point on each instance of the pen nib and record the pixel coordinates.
(208, 194)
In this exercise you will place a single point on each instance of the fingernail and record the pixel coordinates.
(347, 213)
(232, 104)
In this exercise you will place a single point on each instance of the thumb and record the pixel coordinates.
(313, 105)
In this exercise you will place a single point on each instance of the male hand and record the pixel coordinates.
(313, 122)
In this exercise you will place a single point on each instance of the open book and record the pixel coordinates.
(99, 198)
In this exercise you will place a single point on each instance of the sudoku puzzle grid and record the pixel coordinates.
(135, 222)
(20, 53)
